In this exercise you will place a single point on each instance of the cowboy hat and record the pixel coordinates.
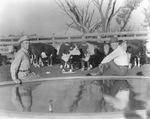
(23, 38)
(114, 39)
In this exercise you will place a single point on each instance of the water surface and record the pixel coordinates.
(68, 96)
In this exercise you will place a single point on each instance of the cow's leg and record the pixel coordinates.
(51, 60)
(146, 58)
(70, 63)
(89, 66)
(82, 65)
(35, 60)
(39, 62)
(63, 65)
(135, 61)
(139, 64)
(31, 59)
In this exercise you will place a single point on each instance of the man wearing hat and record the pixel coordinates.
(117, 61)
(20, 67)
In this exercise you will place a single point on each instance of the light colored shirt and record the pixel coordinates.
(21, 62)
(119, 56)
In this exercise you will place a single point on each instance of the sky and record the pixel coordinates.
(44, 17)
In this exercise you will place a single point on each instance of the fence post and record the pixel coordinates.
(53, 39)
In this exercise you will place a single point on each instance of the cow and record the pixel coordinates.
(66, 51)
(50, 52)
(136, 49)
(86, 50)
(147, 52)
(92, 53)
(41, 52)
(3, 59)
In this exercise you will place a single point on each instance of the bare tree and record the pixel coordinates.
(83, 17)
(108, 14)
(125, 13)
(122, 13)
(146, 12)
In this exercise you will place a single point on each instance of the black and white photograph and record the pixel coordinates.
(75, 59)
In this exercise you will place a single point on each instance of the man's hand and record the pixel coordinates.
(17, 81)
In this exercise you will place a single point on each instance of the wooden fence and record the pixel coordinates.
(99, 37)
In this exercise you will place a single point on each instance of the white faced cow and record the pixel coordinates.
(67, 50)
(92, 54)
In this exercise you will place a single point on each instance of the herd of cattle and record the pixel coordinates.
(79, 55)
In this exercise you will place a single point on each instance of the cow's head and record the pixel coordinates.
(74, 50)
(11, 49)
(106, 49)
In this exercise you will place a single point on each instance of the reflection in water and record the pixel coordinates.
(126, 95)
(78, 97)
(82, 96)
(116, 94)
(88, 98)
(111, 95)
(51, 106)
(22, 96)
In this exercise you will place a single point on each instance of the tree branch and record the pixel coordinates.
(111, 15)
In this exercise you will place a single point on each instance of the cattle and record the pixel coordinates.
(66, 51)
(147, 52)
(42, 52)
(50, 52)
(92, 53)
(3, 60)
(12, 49)
(136, 49)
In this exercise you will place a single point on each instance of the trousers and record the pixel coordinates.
(28, 76)
(114, 69)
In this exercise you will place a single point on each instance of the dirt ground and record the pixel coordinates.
(55, 71)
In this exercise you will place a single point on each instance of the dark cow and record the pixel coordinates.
(41, 51)
(66, 51)
(3, 60)
(50, 52)
(92, 53)
(136, 49)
